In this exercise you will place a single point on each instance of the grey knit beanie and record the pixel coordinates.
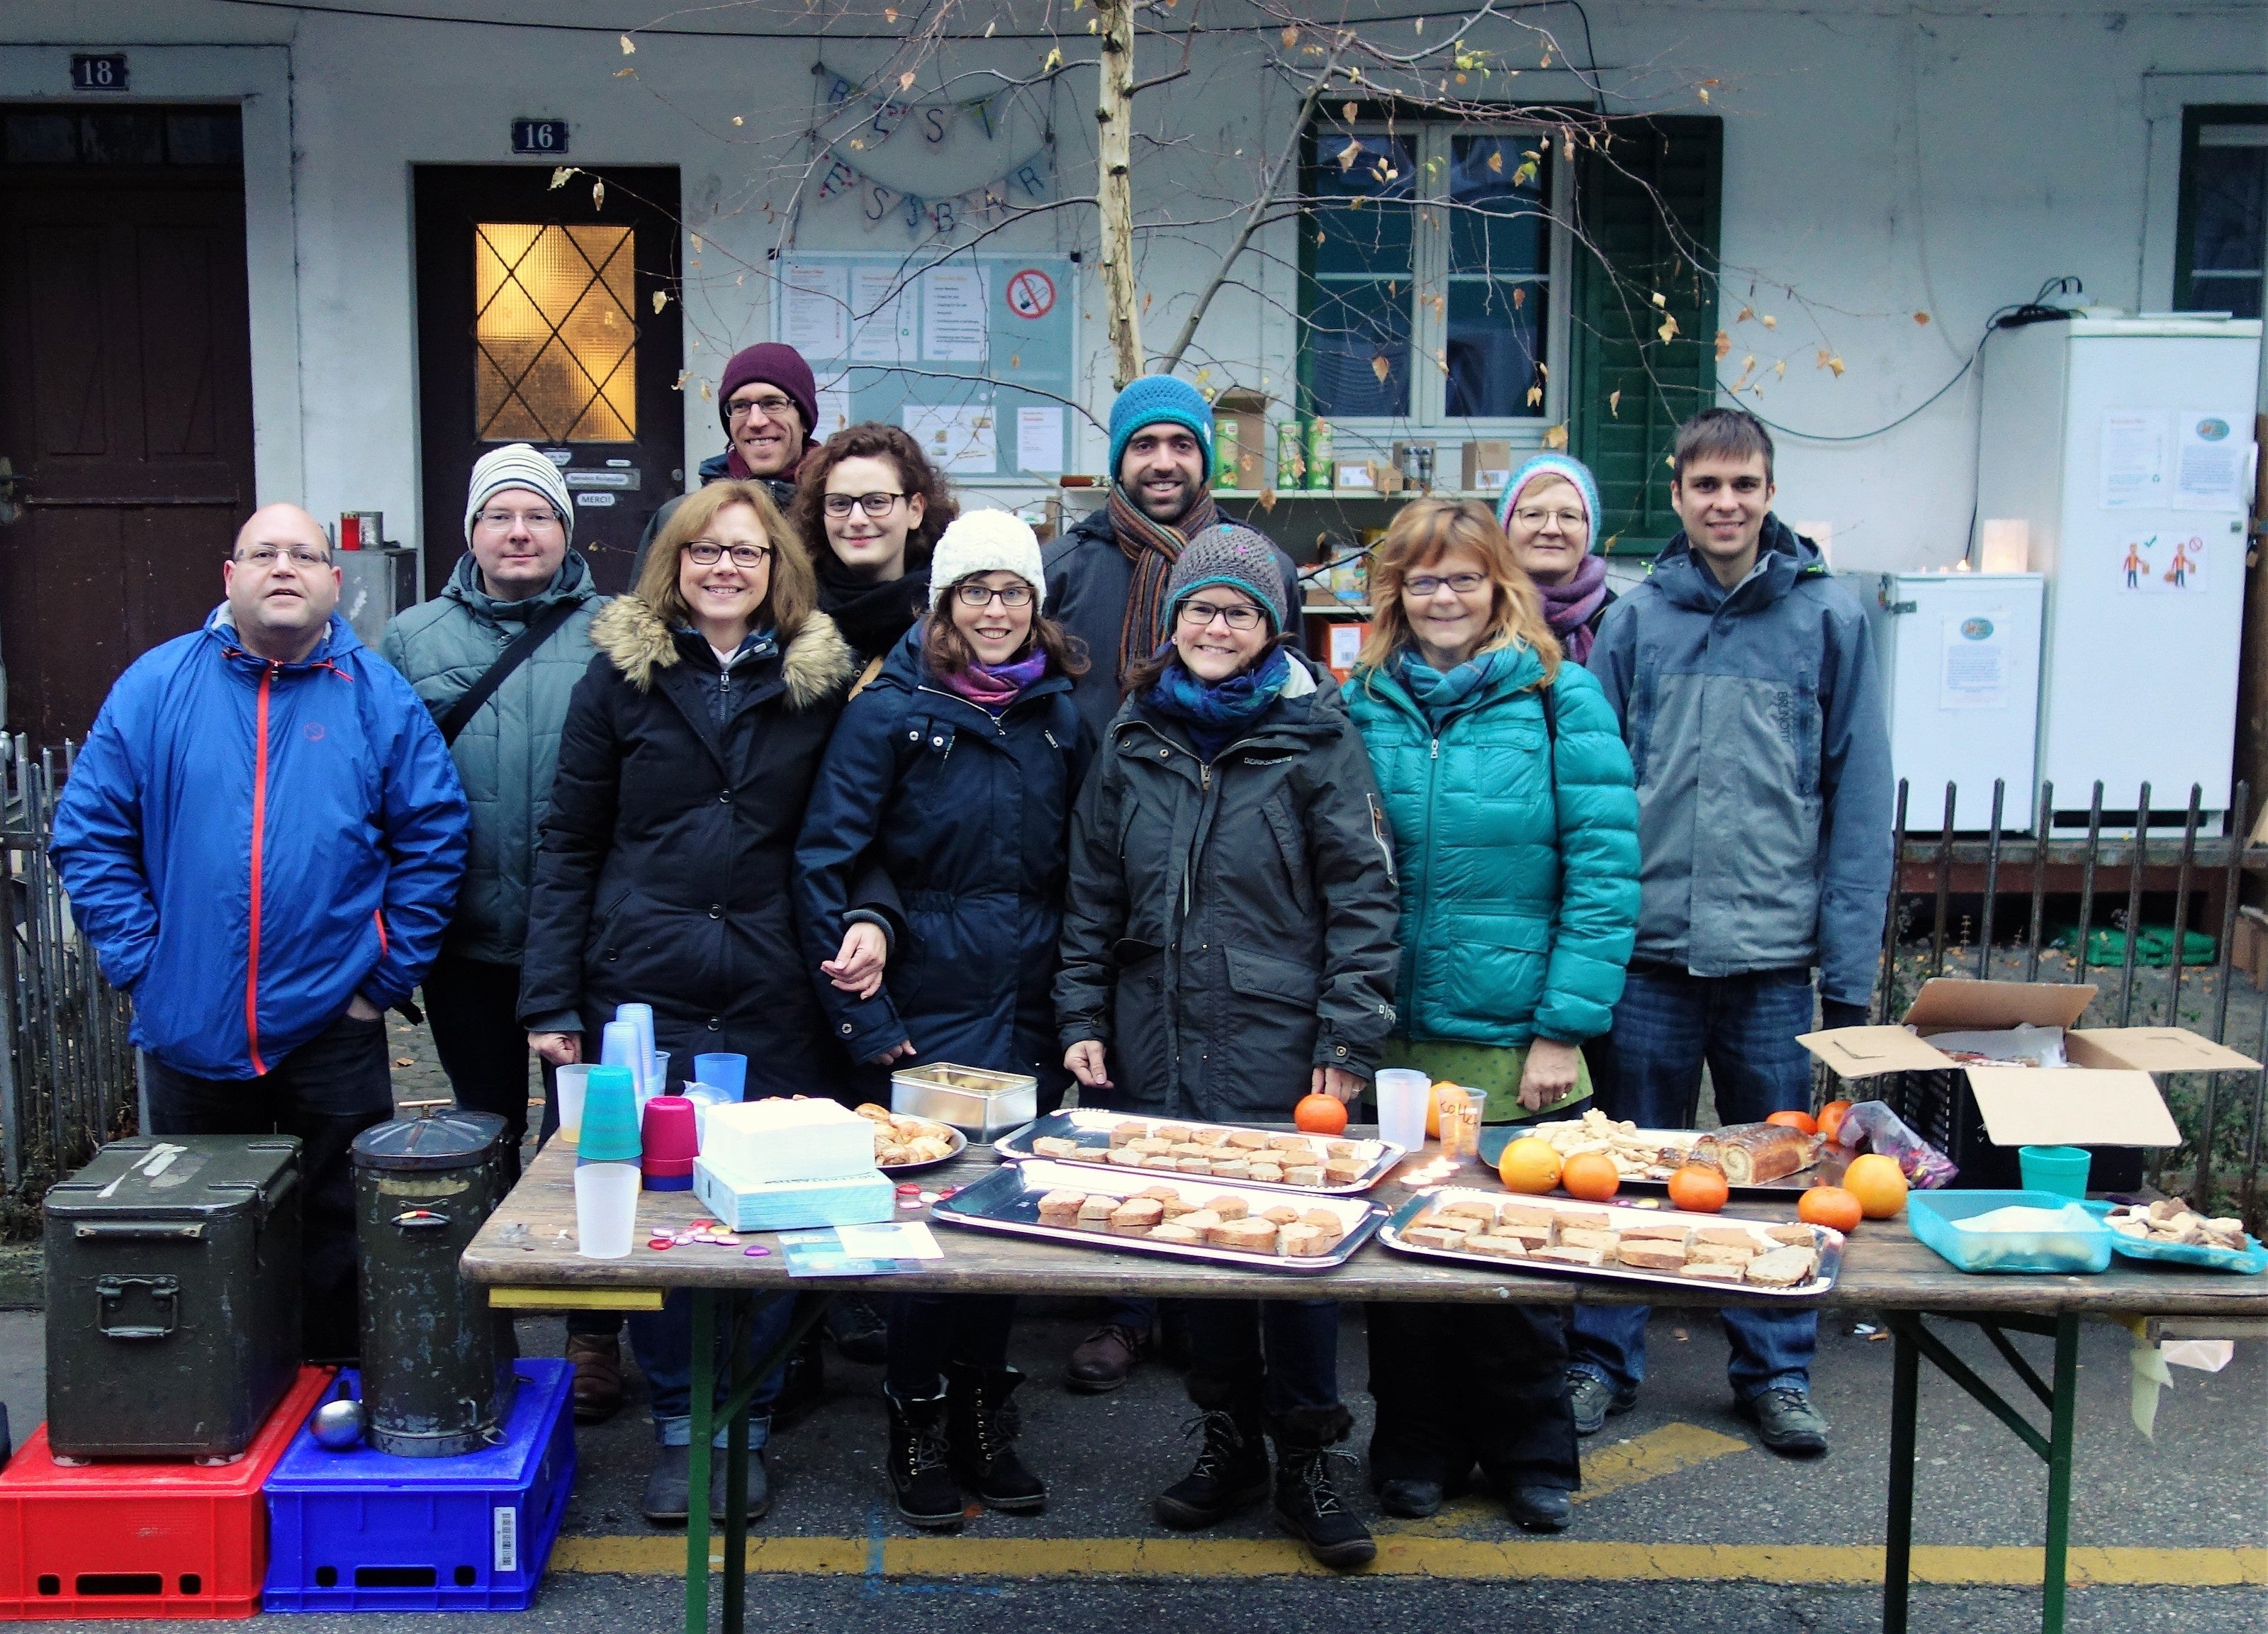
(1232, 556)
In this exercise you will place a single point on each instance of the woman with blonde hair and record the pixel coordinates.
(689, 751)
(1515, 829)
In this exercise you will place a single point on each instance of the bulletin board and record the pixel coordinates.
(974, 356)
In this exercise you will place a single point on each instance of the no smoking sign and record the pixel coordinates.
(1031, 293)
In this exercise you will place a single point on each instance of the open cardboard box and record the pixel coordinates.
(2105, 1100)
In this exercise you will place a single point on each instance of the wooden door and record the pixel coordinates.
(125, 392)
(537, 323)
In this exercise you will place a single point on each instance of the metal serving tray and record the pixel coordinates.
(1096, 1123)
(1826, 1172)
(1008, 1199)
(1829, 1243)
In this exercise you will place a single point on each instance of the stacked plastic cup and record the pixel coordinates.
(606, 1178)
(619, 1047)
(641, 1017)
(671, 1136)
(569, 1084)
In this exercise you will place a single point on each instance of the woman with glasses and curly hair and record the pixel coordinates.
(870, 508)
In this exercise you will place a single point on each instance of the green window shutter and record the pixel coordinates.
(1646, 207)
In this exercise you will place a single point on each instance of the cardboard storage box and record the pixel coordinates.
(2105, 1100)
(1247, 411)
(1486, 468)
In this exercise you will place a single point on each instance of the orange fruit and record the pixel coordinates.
(1878, 1183)
(1830, 1206)
(1530, 1165)
(1799, 1120)
(1698, 1188)
(1320, 1115)
(1590, 1175)
(1830, 1117)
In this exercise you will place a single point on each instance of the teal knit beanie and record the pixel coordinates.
(1159, 400)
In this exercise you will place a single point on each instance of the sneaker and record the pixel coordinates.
(1538, 1508)
(1104, 1358)
(598, 1364)
(1594, 1401)
(1786, 1422)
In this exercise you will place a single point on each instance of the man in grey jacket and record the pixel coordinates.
(1746, 685)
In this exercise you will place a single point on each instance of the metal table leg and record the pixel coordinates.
(2060, 1428)
(696, 1507)
(1897, 1555)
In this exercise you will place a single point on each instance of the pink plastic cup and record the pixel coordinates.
(671, 1138)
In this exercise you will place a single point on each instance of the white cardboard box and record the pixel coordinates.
(788, 1140)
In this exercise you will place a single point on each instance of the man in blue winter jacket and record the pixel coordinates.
(262, 838)
(1748, 696)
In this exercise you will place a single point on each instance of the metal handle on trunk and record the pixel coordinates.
(421, 1219)
(111, 1293)
(141, 1230)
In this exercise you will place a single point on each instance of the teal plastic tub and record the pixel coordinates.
(1930, 1216)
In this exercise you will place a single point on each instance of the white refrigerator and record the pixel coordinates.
(2125, 446)
(1959, 661)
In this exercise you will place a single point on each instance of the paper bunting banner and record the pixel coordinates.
(1028, 184)
(887, 114)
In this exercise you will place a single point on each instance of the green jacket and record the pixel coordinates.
(1518, 854)
(507, 752)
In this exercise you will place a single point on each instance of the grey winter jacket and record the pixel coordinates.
(1228, 927)
(508, 751)
(1755, 723)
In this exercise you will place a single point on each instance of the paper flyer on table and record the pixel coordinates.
(2212, 462)
(821, 1254)
(892, 1239)
(815, 311)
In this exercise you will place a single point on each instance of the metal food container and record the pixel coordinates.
(978, 1103)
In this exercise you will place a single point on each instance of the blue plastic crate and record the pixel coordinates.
(364, 1530)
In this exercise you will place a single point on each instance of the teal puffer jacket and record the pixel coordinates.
(508, 751)
(1518, 852)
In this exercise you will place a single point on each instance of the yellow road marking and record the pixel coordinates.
(574, 1298)
(1606, 1470)
(1401, 1554)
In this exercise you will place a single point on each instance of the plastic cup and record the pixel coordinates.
(704, 1096)
(1401, 1098)
(619, 1047)
(641, 1017)
(669, 1135)
(610, 1132)
(569, 1084)
(1460, 1121)
(729, 1073)
(2059, 1169)
(606, 1209)
(657, 1076)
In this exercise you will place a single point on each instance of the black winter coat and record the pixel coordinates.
(664, 873)
(970, 817)
(1230, 927)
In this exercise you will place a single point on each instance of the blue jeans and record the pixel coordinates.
(662, 1341)
(1745, 1028)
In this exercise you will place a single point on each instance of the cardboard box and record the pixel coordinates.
(2247, 949)
(1487, 468)
(1354, 476)
(2105, 1100)
(1249, 412)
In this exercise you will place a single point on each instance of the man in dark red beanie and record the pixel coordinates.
(768, 403)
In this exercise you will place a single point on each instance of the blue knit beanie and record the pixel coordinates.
(1564, 466)
(1233, 555)
(1159, 400)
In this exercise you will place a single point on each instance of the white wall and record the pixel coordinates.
(1881, 160)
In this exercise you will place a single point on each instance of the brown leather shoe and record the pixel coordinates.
(1104, 1358)
(598, 1376)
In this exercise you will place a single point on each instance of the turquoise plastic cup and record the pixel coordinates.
(2059, 1169)
(610, 1117)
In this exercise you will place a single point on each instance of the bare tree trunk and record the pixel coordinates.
(1113, 113)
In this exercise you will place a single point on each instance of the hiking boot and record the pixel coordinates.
(1308, 1504)
(759, 1484)
(921, 1478)
(1786, 1422)
(1231, 1472)
(857, 1329)
(981, 1427)
(1104, 1358)
(1594, 1401)
(598, 1363)
(1538, 1508)
(663, 1501)
(1411, 1500)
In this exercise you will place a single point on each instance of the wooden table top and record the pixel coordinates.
(529, 1244)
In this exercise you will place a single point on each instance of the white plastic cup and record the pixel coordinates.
(568, 1083)
(704, 1096)
(619, 1047)
(641, 1017)
(1402, 1097)
(606, 1209)
(656, 1081)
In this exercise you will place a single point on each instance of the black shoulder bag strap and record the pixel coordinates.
(523, 647)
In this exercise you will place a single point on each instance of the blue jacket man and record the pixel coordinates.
(263, 839)
(1745, 682)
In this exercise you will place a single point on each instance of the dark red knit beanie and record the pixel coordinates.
(774, 365)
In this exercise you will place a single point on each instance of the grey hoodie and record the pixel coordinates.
(1754, 718)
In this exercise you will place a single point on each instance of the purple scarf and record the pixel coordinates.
(992, 687)
(1569, 608)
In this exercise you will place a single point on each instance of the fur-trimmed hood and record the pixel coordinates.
(816, 665)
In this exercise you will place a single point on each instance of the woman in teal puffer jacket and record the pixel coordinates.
(1515, 830)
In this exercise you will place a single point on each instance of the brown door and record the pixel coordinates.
(125, 392)
(536, 323)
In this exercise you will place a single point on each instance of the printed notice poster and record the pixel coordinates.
(1975, 675)
(956, 320)
(834, 411)
(815, 316)
(962, 441)
(883, 331)
(1040, 439)
(2212, 462)
(2134, 460)
(2161, 563)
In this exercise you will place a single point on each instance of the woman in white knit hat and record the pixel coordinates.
(951, 775)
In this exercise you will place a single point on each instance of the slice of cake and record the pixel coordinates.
(787, 1138)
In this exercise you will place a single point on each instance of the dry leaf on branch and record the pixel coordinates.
(1346, 110)
(906, 79)
(626, 73)
(598, 195)
(1921, 317)
(1660, 299)
(1615, 404)
(1519, 296)
(1266, 499)
(1668, 329)
(1380, 367)
(1723, 345)
(559, 177)
(1769, 322)
(1747, 312)
(1291, 36)
(1780, 369)
(630, 47)
(1496, 161)
(660, 300)
(1535, 395)
(1835, 365)
(1349, 153)
(1556, 437)
(1053, 61)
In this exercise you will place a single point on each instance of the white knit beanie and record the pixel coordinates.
(979, 542)
(516, 465)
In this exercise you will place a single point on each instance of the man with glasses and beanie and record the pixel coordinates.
(768, 402)
(262, 837)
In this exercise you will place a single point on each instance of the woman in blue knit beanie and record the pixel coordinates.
(1549, 512)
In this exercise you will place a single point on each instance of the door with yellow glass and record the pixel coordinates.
(549, 315)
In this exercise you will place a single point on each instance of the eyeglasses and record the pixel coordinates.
(1568, 520)
(838, 505)
(770, 407)
(708, 553)
(976, 595)
(503, 521)
(266, 557)
(1197, 614)
(1427, 585)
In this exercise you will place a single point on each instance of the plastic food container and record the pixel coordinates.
(1931, 1215)
(980, 1104)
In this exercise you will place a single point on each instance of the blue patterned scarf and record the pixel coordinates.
(1215, 715)
(1440, 695)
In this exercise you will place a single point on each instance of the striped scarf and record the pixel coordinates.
(1153, 547)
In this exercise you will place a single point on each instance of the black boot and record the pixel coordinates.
(1231, 1472)
(920, 1479)
(802, 1382)
(1306, 1502)
(983, 1433)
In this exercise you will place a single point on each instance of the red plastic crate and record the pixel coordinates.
(141, 1539)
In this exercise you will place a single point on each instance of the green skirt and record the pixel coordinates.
(1492, 1069)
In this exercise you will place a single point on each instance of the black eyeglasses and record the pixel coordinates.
(1197, 614)
(838, 505)
(976, 595)
(708, 553)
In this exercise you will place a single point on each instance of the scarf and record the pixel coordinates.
(1439, 695)
(1153, 547)
(992, 687)
(1213, 715)
(873, 617)
(1570, 607)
